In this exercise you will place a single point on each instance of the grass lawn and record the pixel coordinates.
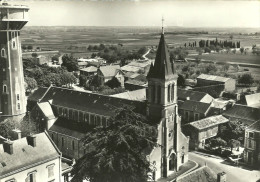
(224, 57)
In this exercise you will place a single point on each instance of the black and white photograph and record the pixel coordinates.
(129, 91)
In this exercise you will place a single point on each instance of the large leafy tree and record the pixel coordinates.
(116, 153)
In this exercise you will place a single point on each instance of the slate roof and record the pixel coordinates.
(213, 78)
(24, 155)
(89, 69)
(194, 95)
(255, 126)
(89, 102)
(203, 174)
(37, 94)
(209, 122)
(132, 95)
(243, 112)
(67, 127)
(195, 106)
(109, 71)
(46, 109)
(162, 68)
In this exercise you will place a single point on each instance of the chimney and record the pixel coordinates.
(187, 98)
(31, 139)
(17, 134)
(222, 177)
(8, 147)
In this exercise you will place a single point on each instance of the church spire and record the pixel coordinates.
(163, 67)
(162, 25)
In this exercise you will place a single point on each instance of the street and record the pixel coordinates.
(234, 174)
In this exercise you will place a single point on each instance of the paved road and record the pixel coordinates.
(148, 51)
(234, 174)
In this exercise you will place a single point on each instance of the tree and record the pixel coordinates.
(68, 79)
(181, 80)
(246, 79)
(242, 50)
(30, 47)
(70, 63)
(116, 153)
(113, 83)
(233, 144)
(6, 127)
(231, 36)
(207, 50)
(142, 51)
(30, 84)
(218, 142)
(34, 55)
(226, 67)
(211, 68)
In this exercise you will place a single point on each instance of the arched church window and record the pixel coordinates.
(172, 94)
(158, 93)
(2, 52)
(169, 93)
(153, 93)
(14, 44)
(4, 89)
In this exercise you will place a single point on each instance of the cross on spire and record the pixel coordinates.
(162, 25)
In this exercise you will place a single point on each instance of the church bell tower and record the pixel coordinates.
(12, 92)
(162, 106)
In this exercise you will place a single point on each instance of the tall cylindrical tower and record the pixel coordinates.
(12, 92)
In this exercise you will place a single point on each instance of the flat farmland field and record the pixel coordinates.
(230, 57)
(63, 38)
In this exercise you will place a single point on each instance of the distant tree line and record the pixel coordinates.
(209, 43)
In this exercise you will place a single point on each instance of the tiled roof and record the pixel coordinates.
(195, 106)
(132, 95)
(89, 69)
(213, 78)
(203, 174)
(46, 109)
(129, 68)
(109, 71)
(70, 128)
(162, 68)
(140, 64)
(25, 155)
(89, 102)
(194, 95)
(37, 94)
(243, 112)
(209, 122)
(255, 126)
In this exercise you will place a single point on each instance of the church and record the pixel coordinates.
(63, 112)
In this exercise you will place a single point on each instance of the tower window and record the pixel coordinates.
(159, 94)
(3, 52)
(172, 94)
(73, 145)
(62, 141)
(18, 106)
(18, 97)
(13, 44)
(5, 89)
(169, 93)
(13, 35)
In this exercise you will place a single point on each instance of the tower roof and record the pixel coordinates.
(162, 68)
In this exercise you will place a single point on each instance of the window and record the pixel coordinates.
(18, 97)
(73, 145)
(186, 115)
(3, 52)
(169, 93)
(18, 106)
(31, 177)
(13, 35)
(196, 117)
(158, 94)
(172, 94)
(251, 134)
(50, 170)
(14, 44)
(62, 141)
(5, 89)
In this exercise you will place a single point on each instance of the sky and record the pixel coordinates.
(193, 13)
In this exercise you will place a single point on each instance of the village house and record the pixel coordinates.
(252, 145)
(32, 158)
(201, 130)
(88, 71)
(193, 110)
(206, 80)
(107, 73)
(242, 113)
